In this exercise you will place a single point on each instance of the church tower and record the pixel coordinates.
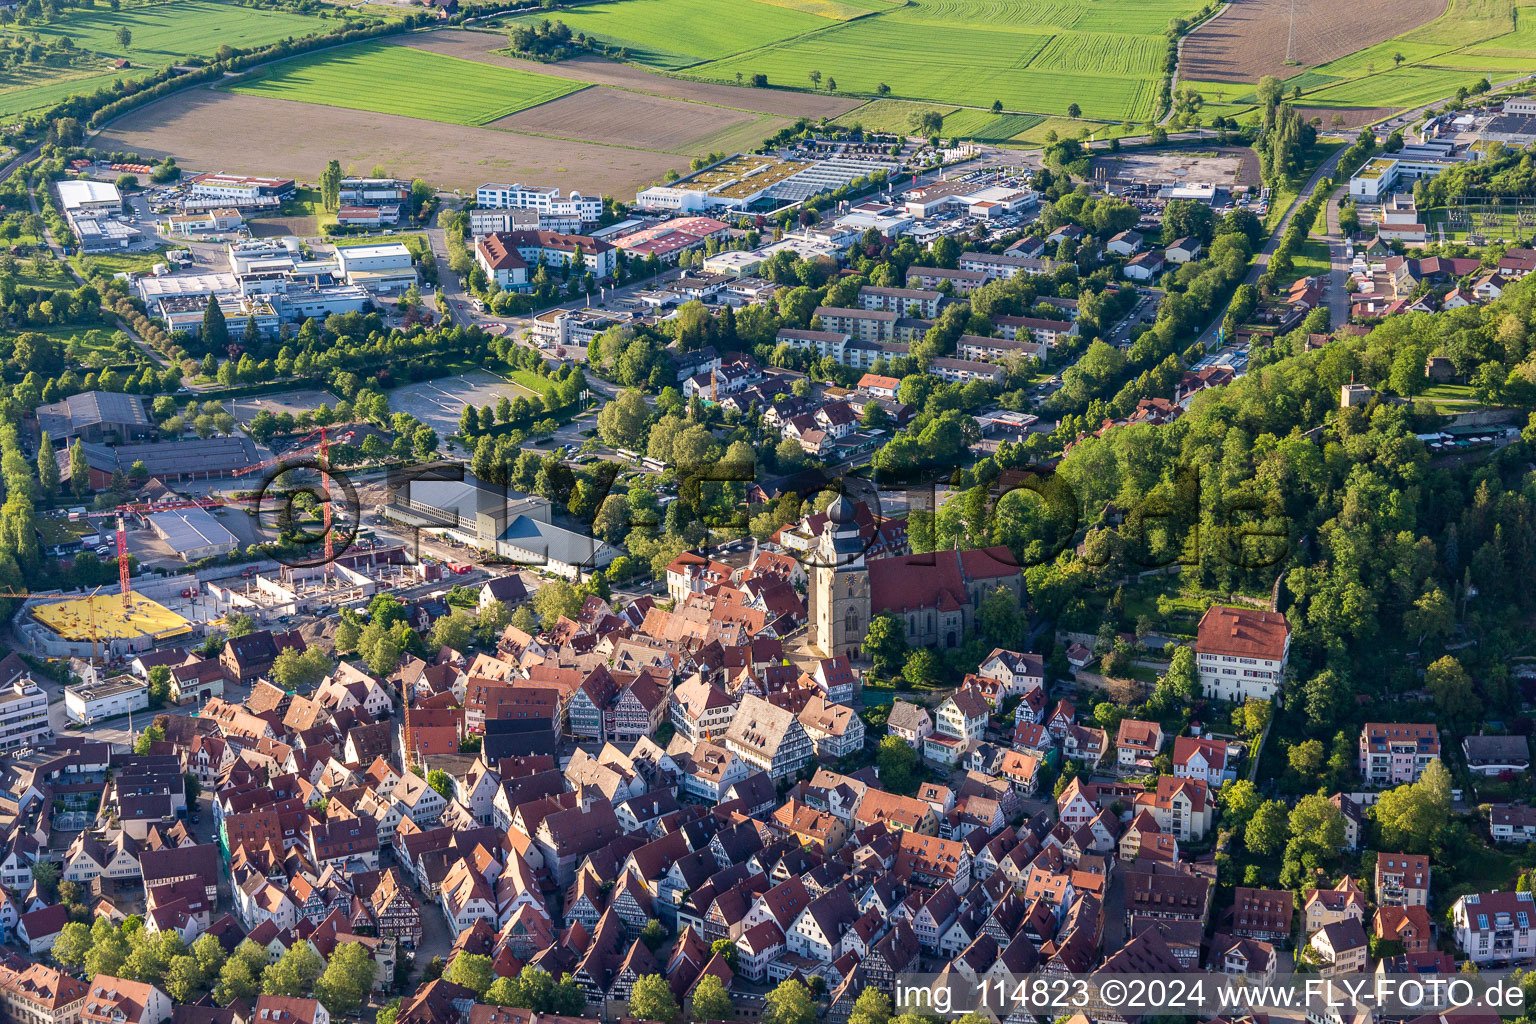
(839, 592)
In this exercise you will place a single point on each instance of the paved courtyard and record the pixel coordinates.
(439, 403)
(245, 409)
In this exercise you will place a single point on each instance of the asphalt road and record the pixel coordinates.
(1261, 259)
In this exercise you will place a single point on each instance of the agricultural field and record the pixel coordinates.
(620, 117)
(491, 48)
(985, 126)
(997, 67)
(298, 138)
(1452, 46)
(389, 79)
(1248, 40)
(677, 33)
(36, 89)
(161, 33)
(1035, 56)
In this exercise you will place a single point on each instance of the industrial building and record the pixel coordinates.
(671, 238)
(170, 461)
(239, 189)
(1383, 175)
(386, 267)
(507, 523)
(81, 197)
(193, 533)
(270, 283)
(96, 416)
(753, 181)
(98, 234)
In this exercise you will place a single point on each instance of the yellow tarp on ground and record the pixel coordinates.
(73, 619)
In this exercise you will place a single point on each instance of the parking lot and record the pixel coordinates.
(245, 409)
(439, 403)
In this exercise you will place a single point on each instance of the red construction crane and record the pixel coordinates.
(278, 460)
(122, 559)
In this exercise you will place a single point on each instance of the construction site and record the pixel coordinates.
(181, 609)
(156, 610)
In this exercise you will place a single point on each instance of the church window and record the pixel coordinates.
(851, 622)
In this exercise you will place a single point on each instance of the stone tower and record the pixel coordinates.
(839, 589)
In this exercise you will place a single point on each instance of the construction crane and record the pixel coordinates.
(323, 449)
(122, 560)
(299, 446)
(90, 603)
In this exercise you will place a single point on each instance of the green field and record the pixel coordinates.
(20, 93)
(1035, 56)
(391, 79)
(1310, 260)
(985, 126)
(998, 66)
(677, 33)
(1473, 38)
(161, 33)
(165, 32)
(125, 263)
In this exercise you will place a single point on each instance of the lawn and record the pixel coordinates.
(125, 263)
(1312, 259)
(532, 381)
(1449, 393)
(389, 79)
(677, 33)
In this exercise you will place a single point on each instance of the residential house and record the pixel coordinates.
(1402, 880)
(1241, 653)
(1393, 754)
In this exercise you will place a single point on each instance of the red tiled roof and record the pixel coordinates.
(1243, 632)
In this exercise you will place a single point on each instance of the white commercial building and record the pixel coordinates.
(108, 698)
(84, 198)
(546, 199)
(386, 267)
(239, 188)
(23, 715)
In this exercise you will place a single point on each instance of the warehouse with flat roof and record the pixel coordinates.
(193, 533)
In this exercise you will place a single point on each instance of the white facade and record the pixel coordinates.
(23, 715)
(90, 702)
(1495, 928)
(1227, 677)
(546, 199)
